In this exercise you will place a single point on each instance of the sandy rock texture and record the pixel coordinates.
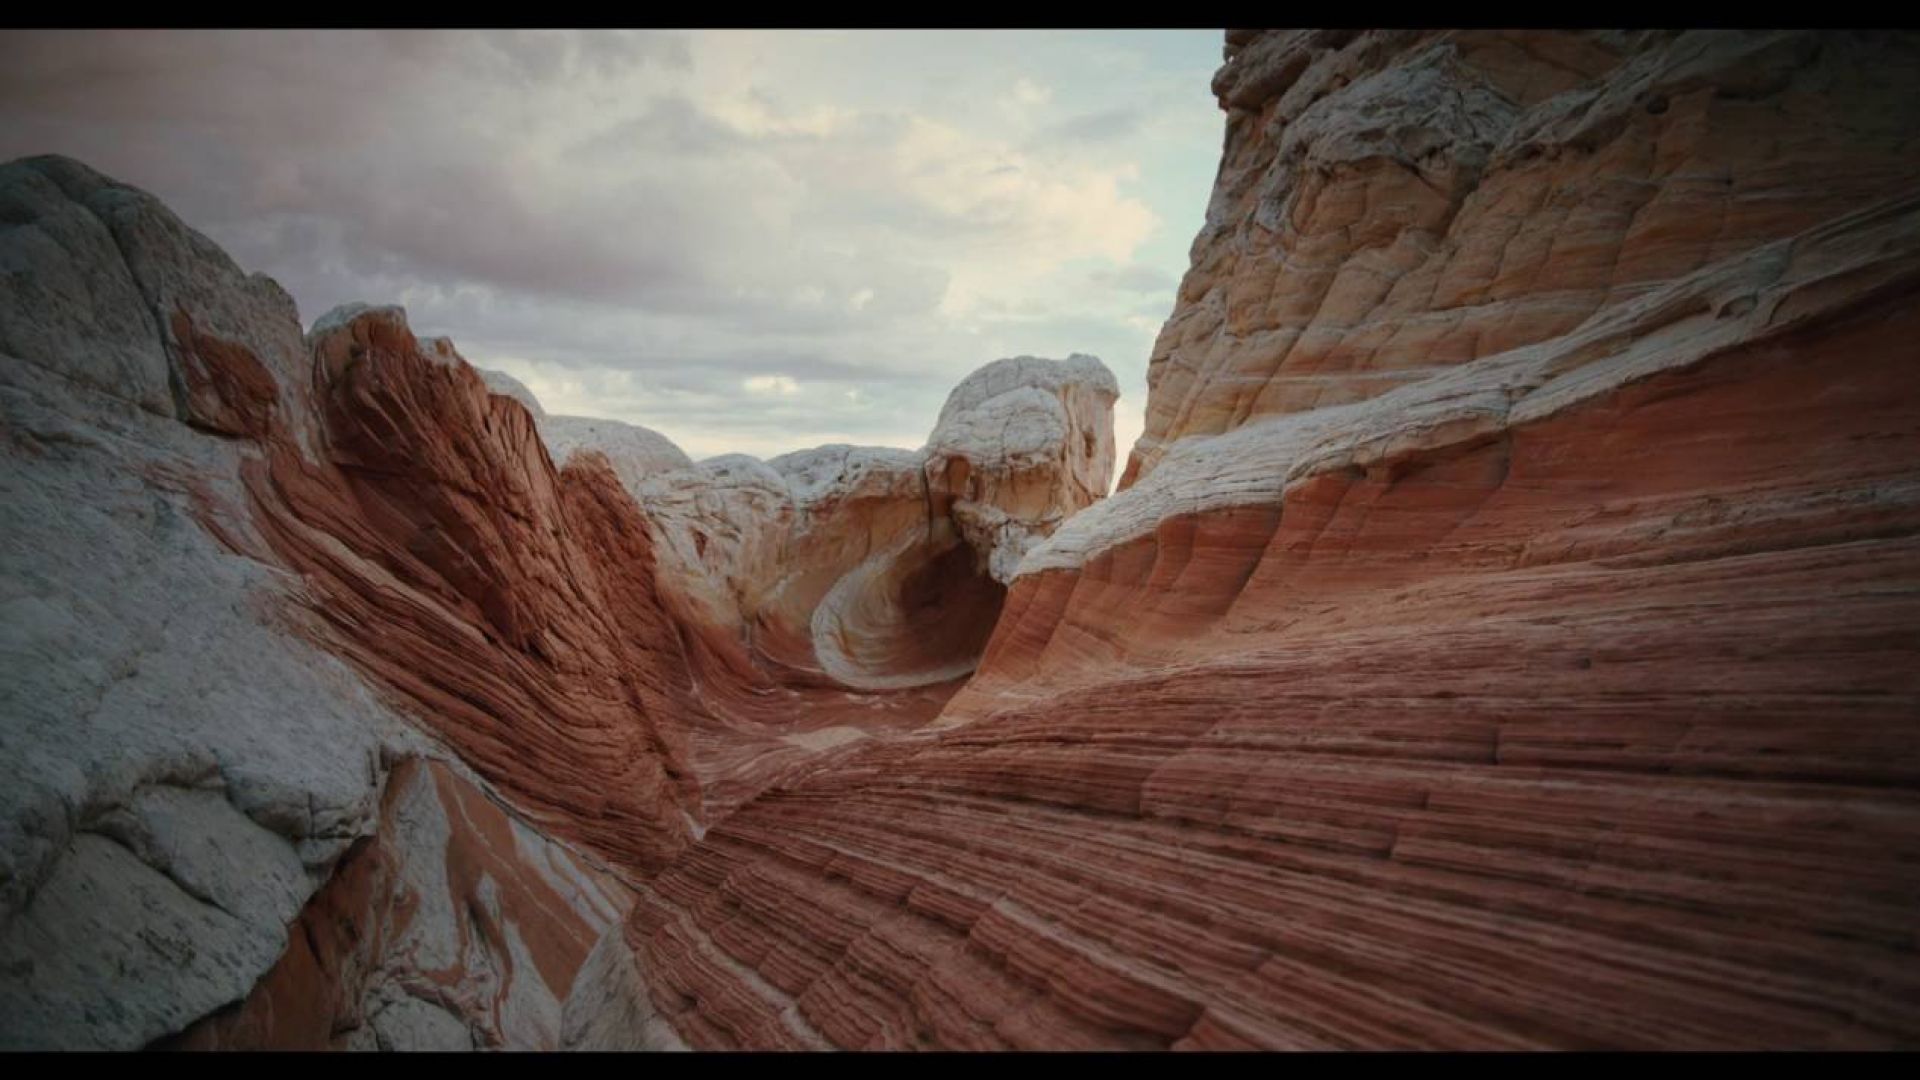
(453, 926)
(1505, 636)
(874, 568)
(344, 692)
(1391, 203)
(184, 771)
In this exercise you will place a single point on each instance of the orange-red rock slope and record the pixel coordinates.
(1555, 690)
(1576, 739)
(510, 603)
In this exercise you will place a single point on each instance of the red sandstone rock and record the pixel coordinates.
(1507, 637)
(1509, 747)
(1391, 203)
(510, 603)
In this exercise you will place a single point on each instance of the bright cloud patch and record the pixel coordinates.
(771, 384)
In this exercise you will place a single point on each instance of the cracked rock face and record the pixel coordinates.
(453, 927)
(165, 810)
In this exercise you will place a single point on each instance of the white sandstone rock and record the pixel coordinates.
(507, 386)
(180, 768)
(817, 545)
(1746, 297)
(635, 453)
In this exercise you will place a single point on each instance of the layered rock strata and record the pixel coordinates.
(1505, 637)
(838, 594)
(184, 769)
(1393, 203)
(209, 511)
(510, 603)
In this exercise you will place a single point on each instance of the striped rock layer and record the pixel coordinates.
(1505, 637)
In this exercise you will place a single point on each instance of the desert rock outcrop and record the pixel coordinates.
(185, 769)
(1391, 203)
(883, 569)
(1504, 636)
(345, 696)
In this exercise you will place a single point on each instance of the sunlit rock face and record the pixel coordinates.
(1505, 636)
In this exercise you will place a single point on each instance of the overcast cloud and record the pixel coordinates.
(750, 241)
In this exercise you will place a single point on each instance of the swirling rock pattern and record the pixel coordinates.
(880, 569)
(1394, 202)
(166, 410)
(189, 771)
(511, 604)
(1506, 636)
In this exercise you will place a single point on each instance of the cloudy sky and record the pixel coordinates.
(748, 240)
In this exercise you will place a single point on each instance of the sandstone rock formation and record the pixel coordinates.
(871, 567)
(510, 604)
(499, 382)
(184, 769)
(998, 450)
(209, 511)
(453, 927)
(635, 453)
(1392, 203)
(1505, 636)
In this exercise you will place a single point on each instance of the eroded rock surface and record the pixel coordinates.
(635, 453)
(453, 927)
(183, 768)
(1391, 203)
(218, 833)
(870, 567)
(1505, 637)
(509, 603)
